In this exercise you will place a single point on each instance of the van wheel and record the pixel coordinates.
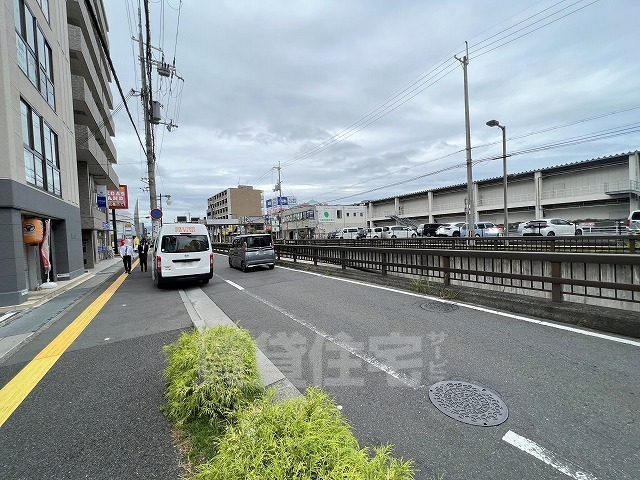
(156, 280)
(413, 235)
(271, 267)
(393, 236)
(578, 232)
(230, 264)
(243, 267)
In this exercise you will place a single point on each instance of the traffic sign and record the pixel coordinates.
(156, 214)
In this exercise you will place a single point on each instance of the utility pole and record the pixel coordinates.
(471, 204)
(279, 189)
(146, 108)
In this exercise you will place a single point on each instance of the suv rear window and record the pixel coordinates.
(184, 243)
(635, 215)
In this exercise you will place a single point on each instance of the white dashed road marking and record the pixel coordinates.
(547, 456)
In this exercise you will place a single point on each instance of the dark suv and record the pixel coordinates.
(428, 229)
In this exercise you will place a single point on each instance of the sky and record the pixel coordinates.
(364, 99)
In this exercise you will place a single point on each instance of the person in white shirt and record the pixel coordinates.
(126, 252)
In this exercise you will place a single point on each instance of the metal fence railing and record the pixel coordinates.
(605, 272)
(574, 244)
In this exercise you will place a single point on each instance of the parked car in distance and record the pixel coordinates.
(428, 229)
(247, 251)
(633, 223)
(449, 229)
(550, 227)
(348, 233)
(482, 229)
(333, 234)
(374, 232)
(399, 231)
(362, 232)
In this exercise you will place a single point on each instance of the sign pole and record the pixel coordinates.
(115, 232)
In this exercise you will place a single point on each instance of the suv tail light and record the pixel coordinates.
(628, 222)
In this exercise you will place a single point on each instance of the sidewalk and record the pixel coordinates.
(38, 297)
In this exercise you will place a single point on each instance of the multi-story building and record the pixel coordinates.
(317, 220)
(234, 203)
(229, 208)
(55, 146)
(605, 188)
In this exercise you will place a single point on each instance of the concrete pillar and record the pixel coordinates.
(537, 189)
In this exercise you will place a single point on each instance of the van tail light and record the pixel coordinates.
(211, 260)
(628, 222)
(158, 263)
(245, 246)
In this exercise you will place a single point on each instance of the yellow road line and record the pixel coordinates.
(14, 392)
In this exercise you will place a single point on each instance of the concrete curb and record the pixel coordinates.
(205, 313)
(603, 319)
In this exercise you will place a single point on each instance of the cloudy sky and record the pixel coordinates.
(363, 99)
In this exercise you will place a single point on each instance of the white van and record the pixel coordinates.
(181, 251)
(348, 233)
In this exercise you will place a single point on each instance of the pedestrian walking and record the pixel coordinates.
(143, 249)
(126, 252)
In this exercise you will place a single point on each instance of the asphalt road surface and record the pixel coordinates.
(571, 394)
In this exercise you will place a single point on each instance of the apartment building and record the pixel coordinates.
(233, 203)
(56, 150)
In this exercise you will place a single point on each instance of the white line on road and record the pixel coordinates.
(7, 316)
(481, 309)
(367, 357)
(547, 456)
(233, 284)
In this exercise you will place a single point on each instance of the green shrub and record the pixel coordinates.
(301, 438)
(211, 373)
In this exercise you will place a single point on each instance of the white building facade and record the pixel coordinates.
(317, 220)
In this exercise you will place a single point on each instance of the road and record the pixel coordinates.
(571, 394)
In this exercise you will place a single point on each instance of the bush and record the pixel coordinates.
(211, 373)
(302, 438)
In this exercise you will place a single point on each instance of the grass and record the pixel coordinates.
(301, 438)
(439, 290)
(228, 428)
(211, 373)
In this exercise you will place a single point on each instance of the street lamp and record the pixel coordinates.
(496, 123)
(168, 199)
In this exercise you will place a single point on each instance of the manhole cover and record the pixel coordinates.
(468, 403)
(440, 307)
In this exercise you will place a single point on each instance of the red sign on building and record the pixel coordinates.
(118, 199)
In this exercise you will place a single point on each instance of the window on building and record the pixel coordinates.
(40, 147)
(338, 214)
(33, 50)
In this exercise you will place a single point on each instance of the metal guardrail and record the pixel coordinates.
(611, 280)
(572, 269)
(575, 244)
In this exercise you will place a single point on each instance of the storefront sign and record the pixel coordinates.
(118, 199)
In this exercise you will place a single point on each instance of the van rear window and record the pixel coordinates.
(184, 243)
(262, 241)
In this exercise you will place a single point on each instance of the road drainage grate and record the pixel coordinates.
(439, 307)
(468, 403)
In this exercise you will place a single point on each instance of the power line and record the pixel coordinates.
(407, 93)
(587, 138)
(96, 26)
